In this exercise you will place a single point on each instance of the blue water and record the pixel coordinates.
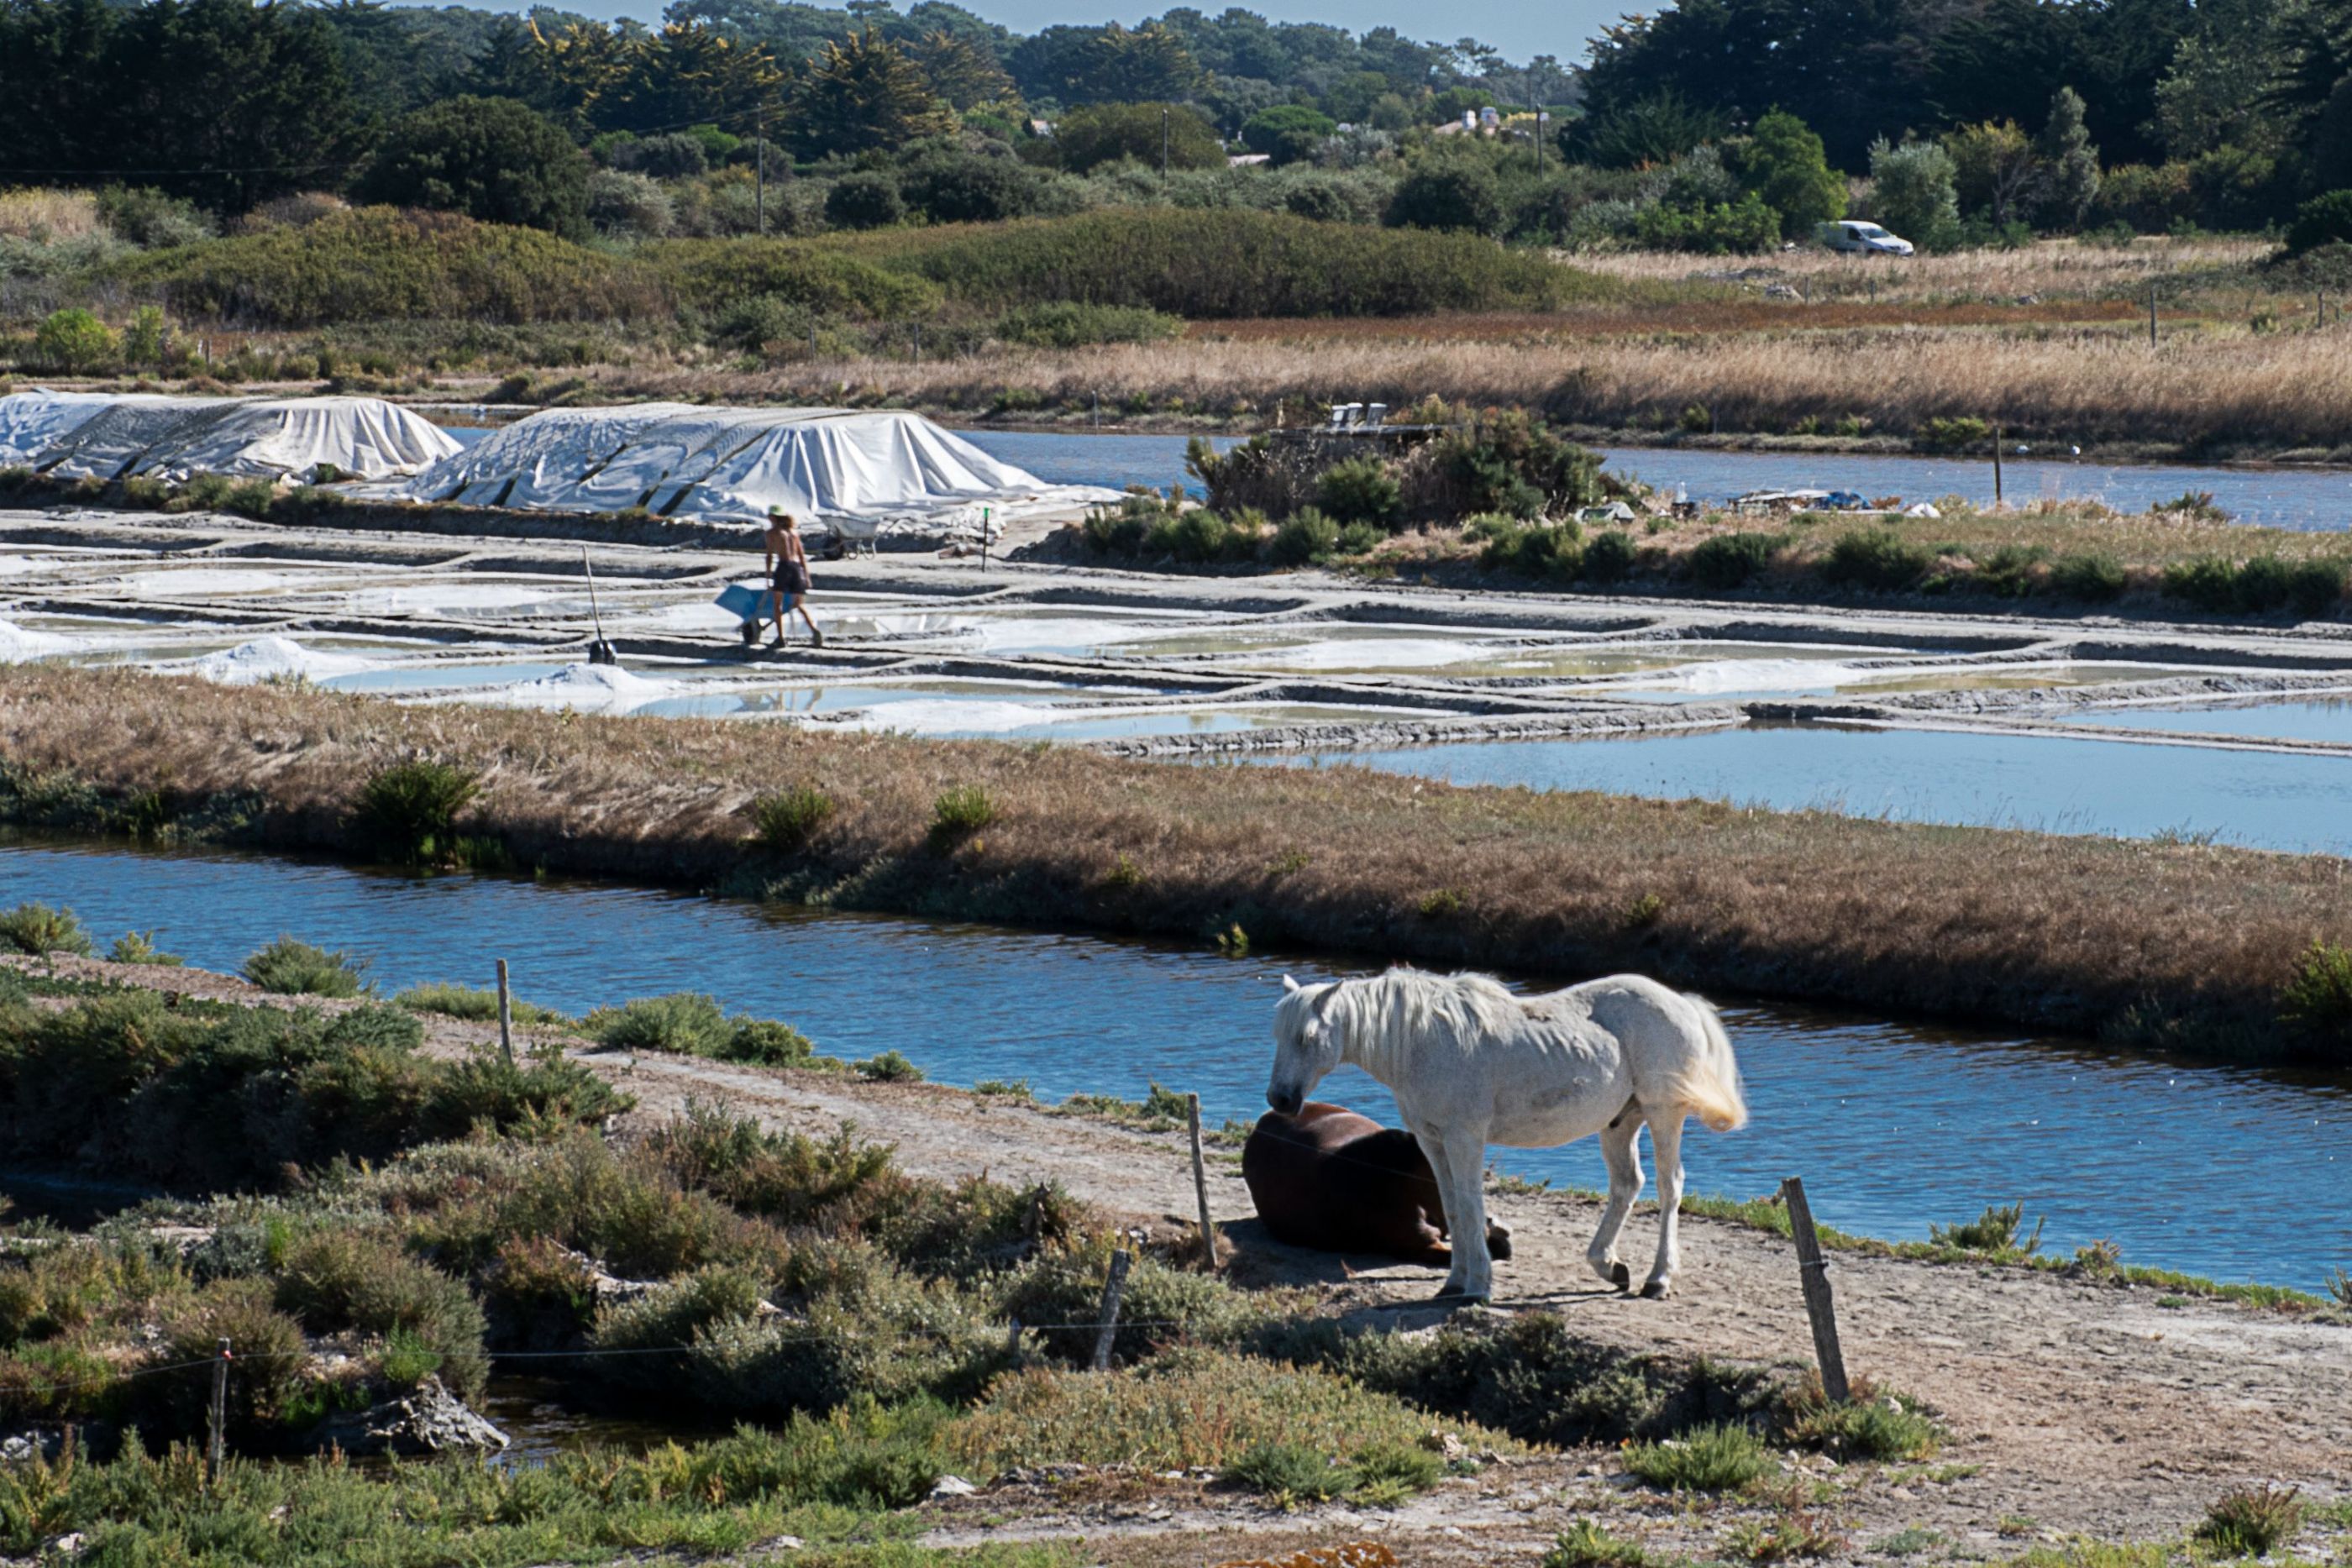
(2232, 1172)
(1155, 462)
(2265, 800)
(2329, 718)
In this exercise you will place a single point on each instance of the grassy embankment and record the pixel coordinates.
(807, 1284)
(2192, 946)
(1287, 315)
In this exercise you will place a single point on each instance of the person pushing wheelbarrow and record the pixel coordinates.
(788, 573)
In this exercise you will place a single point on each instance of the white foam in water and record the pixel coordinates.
(17, 644)
(268, 658)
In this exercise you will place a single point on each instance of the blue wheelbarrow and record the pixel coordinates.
(749, 605)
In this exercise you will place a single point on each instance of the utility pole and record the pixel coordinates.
(1163, 142)
(760, 201)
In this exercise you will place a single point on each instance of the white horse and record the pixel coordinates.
(1471, 1063)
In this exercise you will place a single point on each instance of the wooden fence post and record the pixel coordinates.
(219, 1415)
(505, 1016)
(1113, 1289)
(1200, 1184)
(1815, 1271)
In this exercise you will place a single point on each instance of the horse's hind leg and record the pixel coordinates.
(1624, 1160)
(1666, 1144)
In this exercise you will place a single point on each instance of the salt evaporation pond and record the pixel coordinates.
(2233, 1172)
(2328, 720)
(2273, 801)
(2301, 498)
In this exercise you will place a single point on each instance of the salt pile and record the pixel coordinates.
(269, 659)
(586, 688)
(17, 644)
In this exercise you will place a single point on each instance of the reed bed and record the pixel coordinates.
(2182, 944)
(2048, 268)
(2200, 389)
(46, 216)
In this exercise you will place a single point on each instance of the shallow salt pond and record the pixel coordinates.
(783, 702)
(1929, 1125)
(2053, 784)
(2324, 718)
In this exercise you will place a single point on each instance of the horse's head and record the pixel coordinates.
(1305, 1044)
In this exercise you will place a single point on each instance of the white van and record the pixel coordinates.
(1861, 237)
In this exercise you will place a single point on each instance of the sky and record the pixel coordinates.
(1520, 28)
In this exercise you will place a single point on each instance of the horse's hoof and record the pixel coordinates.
(1621, 1276)
(1655, 1290)
(1457, 1296)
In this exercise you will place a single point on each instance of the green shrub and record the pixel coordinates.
(1586, 1543)
(296, 969)
(889, 1067)
(2007, 571)
(1305, 537)
(1872, 1424)
(1728, 560)
(2251, 1522)
(338, 1281)
(1289, 1473)
(38, 929)
(1225, 263)
(2205, 582)
(2316, 587)
(1721, 1458)
(1960, 430)
(265, 1366)
(865, 199)
(2318, 998)
(1876, 557)
(786, 820)
(1067, 324)
(1994, 1231)
(2091, 576)
(474, 1006)
(1359, 538)
(2321, 221)
(2263, 585)
(689, 1023)
(382, 265)
(75, 342)
(1609, 556)
(1360, 490)
(252, 498)
(139, 947)
(410, 809)
(1197, 537)
(962, 810)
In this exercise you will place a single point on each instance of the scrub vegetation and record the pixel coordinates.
(2192, 946)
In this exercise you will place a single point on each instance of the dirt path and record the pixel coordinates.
(2075, 1406)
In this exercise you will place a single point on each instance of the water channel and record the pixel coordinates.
(2298, 499)
(1893, 1126)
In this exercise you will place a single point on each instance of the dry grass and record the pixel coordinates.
(2048, 268)
(45, 216)
(2181, 942)
(1744, 314)
(2201, 388)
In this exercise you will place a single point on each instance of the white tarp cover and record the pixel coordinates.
(860, 471)
(80, 435)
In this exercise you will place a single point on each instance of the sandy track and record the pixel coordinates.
(2080, 1405)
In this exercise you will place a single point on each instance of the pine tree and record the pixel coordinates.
(2070, 164)
(862, 94)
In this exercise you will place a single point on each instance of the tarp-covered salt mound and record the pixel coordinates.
(98, 435)
(859, 473)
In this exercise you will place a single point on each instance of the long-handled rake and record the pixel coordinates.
(599, 651)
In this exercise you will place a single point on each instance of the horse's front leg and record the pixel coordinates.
(1441, 1167)
(1464, 1185)
(1666, 1144)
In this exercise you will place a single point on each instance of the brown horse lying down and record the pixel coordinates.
(1338, 1182)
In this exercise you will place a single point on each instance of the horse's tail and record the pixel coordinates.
(1709, 1080)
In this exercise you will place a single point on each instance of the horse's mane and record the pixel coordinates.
(1382, 1013)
